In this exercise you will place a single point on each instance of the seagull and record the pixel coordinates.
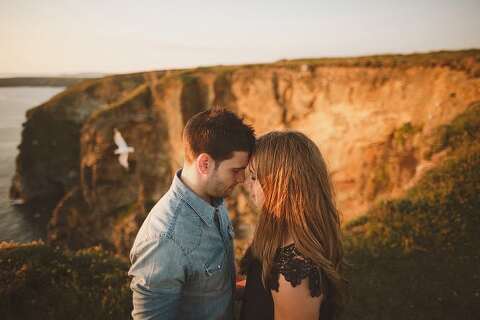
(123, 149)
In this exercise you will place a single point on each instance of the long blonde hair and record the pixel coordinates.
(299, 202)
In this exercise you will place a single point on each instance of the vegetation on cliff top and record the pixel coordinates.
(461, 60)
(464, 60)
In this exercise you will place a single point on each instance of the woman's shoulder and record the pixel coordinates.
(295, 267)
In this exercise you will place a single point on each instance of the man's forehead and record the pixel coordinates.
(239, 160)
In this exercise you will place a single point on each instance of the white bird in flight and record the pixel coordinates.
(123, 149)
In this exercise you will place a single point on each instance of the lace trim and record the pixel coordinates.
(295, 267)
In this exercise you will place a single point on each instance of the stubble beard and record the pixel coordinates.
(219, 190)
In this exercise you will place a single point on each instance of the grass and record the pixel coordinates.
(418, 257)
(404, 133)
(41, 282)
(463, 129)
(417, 285)
(465, 60)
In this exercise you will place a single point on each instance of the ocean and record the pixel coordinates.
(16, 223)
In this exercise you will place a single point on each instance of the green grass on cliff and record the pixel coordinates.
(464, 60)
(463, 130)
(418, 257)
(41, 282)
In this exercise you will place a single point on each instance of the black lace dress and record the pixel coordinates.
(258, 302)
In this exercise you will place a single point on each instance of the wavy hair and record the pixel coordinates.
(299, 202)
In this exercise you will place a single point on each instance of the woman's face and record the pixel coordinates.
(253, 186)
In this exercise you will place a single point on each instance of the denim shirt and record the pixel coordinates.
(182, 259)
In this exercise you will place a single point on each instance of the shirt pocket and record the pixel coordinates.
(216, 273)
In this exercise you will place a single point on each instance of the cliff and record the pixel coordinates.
(374, 119)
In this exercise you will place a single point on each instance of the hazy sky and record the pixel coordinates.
(63, 36)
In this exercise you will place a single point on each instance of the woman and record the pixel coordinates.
(296, 251)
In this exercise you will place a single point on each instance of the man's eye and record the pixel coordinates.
(253, 178)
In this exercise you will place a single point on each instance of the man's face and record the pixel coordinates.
(227, 175)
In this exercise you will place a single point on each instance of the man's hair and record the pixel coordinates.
(217, 132)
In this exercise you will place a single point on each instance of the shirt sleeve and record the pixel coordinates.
(159, 271)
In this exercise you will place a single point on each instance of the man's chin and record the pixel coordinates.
(224, 194)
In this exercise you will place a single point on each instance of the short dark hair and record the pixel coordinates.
(217, 132)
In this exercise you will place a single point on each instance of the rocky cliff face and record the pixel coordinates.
(372, 118)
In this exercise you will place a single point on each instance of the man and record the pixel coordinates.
(182, 257)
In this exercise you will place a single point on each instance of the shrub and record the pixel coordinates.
(41, 282)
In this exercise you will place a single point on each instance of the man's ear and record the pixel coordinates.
(204, 163)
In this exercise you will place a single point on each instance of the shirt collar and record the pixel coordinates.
(201, 207)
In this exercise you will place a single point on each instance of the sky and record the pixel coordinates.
(114, 36)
